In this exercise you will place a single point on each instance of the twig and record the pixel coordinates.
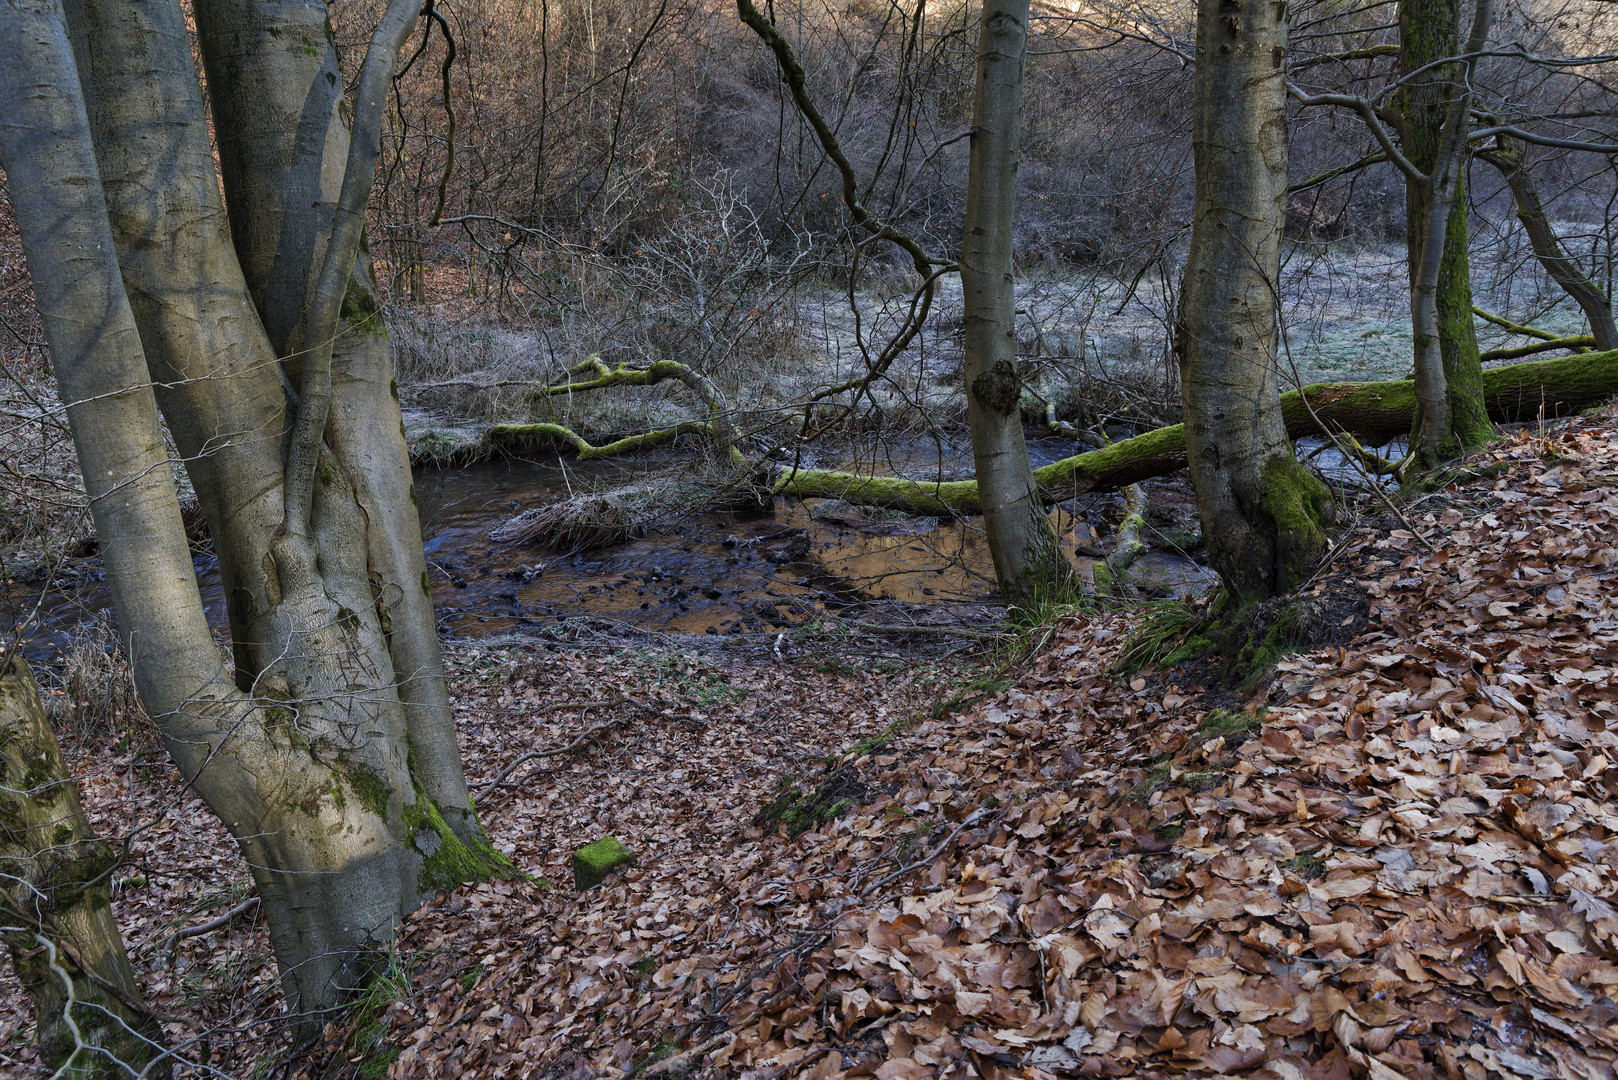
(910, 628)
(209, 926)
(679, 1061)
(580, 741)
(976, 817)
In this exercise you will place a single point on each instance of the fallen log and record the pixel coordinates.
(1374, 413)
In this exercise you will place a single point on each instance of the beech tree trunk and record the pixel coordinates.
(1263, 514)
(1028, 562)
(341, 786)
(55, 910)
(1451, 420)
(283, 143)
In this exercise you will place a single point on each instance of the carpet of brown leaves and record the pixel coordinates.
(1402, 866)
(1398, 862)
(677, 781)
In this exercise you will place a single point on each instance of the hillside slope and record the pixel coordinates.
(1399, 863)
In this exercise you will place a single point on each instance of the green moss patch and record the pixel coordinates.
(593, 862)
(1301, 507)
(798, 810)
(1230, 722)
(447, 860)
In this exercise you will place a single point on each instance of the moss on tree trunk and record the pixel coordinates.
(1429, 30)
(55, 906)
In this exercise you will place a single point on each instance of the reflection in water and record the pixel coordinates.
(713, 572)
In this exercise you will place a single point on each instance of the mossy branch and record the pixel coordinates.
(1576, 343)
(509, 434)
(1332, 174)
(1511, 327)
(717, 426)
(1368, 53)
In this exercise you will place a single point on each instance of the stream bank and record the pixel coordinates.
(711, 571)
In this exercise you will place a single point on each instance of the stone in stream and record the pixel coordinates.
(593, 862)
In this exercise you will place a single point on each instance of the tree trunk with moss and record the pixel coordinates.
(55, 908)
(328, 752)
(1028, 562)
(1441, 285)
(1263, 515)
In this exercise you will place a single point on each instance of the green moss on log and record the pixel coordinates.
(1375, 413)
(522, 434)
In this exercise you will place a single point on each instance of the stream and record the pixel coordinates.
(714, 571)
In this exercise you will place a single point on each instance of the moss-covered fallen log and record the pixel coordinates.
(1375, 413)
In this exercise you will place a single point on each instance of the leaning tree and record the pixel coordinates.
(328, 750)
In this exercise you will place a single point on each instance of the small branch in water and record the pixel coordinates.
(1130, 546)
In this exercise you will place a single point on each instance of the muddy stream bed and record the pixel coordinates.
(714, 571)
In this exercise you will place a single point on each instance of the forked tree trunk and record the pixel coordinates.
(1263, 514)
(55, 910)
(307, 755)
(276, 92)
(1028, 561)
(1451, 419)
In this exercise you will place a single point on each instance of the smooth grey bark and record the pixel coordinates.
(1262, 512)
(283, 143)
(308, 760)
(55, 909)
(1510, 159)
(1028, 561)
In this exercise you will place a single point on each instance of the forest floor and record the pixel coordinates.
(1395, 858)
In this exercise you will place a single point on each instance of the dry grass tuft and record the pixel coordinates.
(582, 522)
(92, 696)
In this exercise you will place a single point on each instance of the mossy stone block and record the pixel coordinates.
(593, 862)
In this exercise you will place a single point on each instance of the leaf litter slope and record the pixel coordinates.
(672, 750)
(1404, 867)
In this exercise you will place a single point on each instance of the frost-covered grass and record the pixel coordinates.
(1095, 343)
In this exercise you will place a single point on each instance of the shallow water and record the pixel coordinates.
(716, 571)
